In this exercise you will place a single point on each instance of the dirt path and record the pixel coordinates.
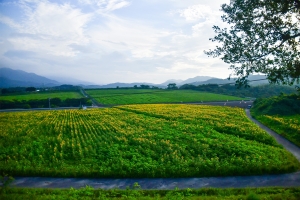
(282, 180)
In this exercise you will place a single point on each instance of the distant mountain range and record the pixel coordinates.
(70, 80)
(253, 80)
(19, 78)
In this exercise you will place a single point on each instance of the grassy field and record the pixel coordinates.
(139, 141)
(287, 126)
(139, 96)
(137, 194)
(281, 114)
(42, 95)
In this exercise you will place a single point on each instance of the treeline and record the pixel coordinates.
(137, 87)
(44, 103)
(261, 91)
(20, 90)
(14, 90)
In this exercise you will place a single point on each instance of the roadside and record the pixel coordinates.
(241, 104)
(281, 140)
(94, 102)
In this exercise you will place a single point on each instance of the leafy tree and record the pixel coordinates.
(4, 91)
(263, 37)
(277, 105)
(187, 87)
(145, 86)
(172, 86)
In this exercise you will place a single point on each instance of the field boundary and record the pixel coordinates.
(232, 103)
(280, 139)
(94, 102)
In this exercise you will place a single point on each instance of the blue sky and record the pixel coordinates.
(105, 41)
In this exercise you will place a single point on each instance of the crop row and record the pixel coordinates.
(138, 141)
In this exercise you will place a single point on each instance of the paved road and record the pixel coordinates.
(283, 180)
(295, 150)
(94, 102)
(241, 104)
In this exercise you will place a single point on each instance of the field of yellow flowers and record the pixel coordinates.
(287, 126)
(138, 141)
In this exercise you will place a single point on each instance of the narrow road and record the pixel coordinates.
(282, 180)
(241, 104)
(94, 102)
(295, 150)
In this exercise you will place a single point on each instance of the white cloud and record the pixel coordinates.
(10, 22)
(53, 28)
(141, 43)
(179, 67)
(196, 13)
(56, 20)
(124, 35)
(106, 5)
(116, 4)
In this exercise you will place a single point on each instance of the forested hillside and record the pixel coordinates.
(261, 91)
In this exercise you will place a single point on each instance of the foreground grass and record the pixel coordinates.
(137, 96)
(139, 141)
(42, 95)
(137, 193)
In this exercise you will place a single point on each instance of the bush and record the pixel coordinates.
(26, 106)
(278, 105)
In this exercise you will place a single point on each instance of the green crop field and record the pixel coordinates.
(110, 92)
(139, 141)
(287, 126)
(137, 96)
(42, 95)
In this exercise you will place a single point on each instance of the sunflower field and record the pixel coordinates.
(140, 141)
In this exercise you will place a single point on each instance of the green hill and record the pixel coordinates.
(278, 105)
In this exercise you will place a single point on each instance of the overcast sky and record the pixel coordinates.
(104, 41)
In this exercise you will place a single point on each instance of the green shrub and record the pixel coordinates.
(278, 105)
